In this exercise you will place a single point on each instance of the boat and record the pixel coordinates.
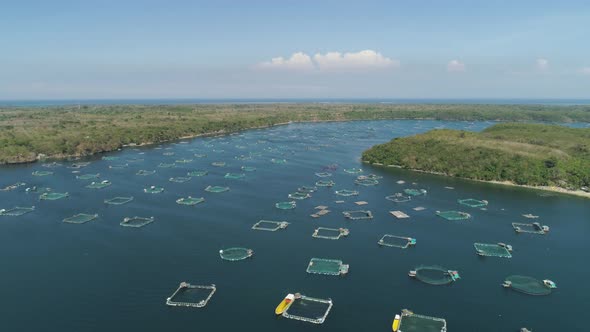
(396, 322)
(412, 273)
(549, 283)
(286, 303)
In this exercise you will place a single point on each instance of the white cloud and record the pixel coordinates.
(542, 64)
(455, 66)
(585, 70)
(297, 61)
(333, 61)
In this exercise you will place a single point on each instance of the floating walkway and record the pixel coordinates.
(269, 225)
(332, 267)
(399, 214)
(394, 241)
(187, 295)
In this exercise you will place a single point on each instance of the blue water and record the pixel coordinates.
(100, 276)
(159, 101)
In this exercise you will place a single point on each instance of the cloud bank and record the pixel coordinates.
(455, 66)
(585, 70)
(542, 64)
(333, 61)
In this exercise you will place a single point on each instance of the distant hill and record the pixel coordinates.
(524, 154)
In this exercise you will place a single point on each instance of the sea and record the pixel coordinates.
(101, 276)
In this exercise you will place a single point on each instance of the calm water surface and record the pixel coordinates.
(100, 276)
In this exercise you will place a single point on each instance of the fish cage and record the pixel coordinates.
(533, 228)
(153, 190)
(248, 168)
(118, 200)
(42, 173)
(144, 172)
(434, 275)
(110, 158)
(353, 170)
(187, 295)
(398, 198)
(80, 218)
(200, 155)
(190, 200)
(38, 190)
(299, 195)
(235, 254)
(243, 157)
(412, 322)
(415, 192)
(197, 173)
(16, 211)
(346, 192)
(88, 176)
(395, 241)
(307, 189)
(358, 214)
(278, 161)
(370, 177)
(136, 221)
(118, 166)
(166, 165)
(169, 153)
(99, 185)
(52, 165)
(332, 267)
(218, 163)
(286, 205)
(493, 250)
(308, 309)
(79, 165)
(528, 285)
(13, 186)
(453, 215)
(180, 179)
(366, 182)
(216, 189)
(330, 233)
(269, 225)
(472, 202)
(323, 174)
(183, 161)
(51, 196)
(325, 183)
(234, 176)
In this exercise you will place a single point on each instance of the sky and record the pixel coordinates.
(294, 49)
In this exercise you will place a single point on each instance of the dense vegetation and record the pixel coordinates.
(524, 154)
(27, 134)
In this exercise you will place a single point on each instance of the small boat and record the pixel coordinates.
(396, 323)
(412, 274)
(549, 283)
(284, 304)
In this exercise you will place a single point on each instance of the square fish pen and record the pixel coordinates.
(299, 195)
(180, 179)
(136, 221)
(358, 214)
(190, 200)
(346, 192)
(234, 176)
(286, 205)
(42, 173)
(453, 215)
(99, 185)
(16, 211)
(415, 192)
(395, 241)
(216, 189)
(165, 165)
(493, 250)
(325, 183)
(118, 200)
(533, 228)
(153, 190)
(269, 225)
(330, 233)
(80, 218)
(197, 173)
(88, 176)
(187, 295)
(308, 309)
(413, 322)
(472, 202)
(398, 198)
(332, 267)
(53, 196)
(143, 172)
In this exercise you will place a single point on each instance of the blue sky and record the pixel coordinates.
(321, 49)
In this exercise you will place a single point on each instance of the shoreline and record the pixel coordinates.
(554, 189)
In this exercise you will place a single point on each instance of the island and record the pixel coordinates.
(28, 134)
(543, 156)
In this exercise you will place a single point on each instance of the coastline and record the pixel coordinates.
(553, 189)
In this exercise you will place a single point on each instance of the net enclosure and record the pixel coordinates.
(323, 174)
(434, 275)
(308, 309)
(299, 195)
(184, 161)
(42, 173)
(180, 179)
(472, 202)
(278, 161)
(235, 254)
(50, 196)
(218, 163)
(234, 176)
(453, 215)
(395, 241)
(16, 211)
(493, 250)
(248, 168)
(166, 165)
(119, 166)
(197, 173)
(330, 233)
(153, 190)
(144, 172)
(353, 170)
(415, 192)
(346, 192)
(88, 176)
(136, 221)
(190, 200)
(286, 205)
(80, 218)
(398, 198)
(332, 267)
(187, 295)
(99, 185)
(410, 321)
(366, 182)
(325, 183)
(269, 225)
(533, 228)
(358, 214)
(528, 285)
(216, 189)
(118, 200)
(307, 189)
